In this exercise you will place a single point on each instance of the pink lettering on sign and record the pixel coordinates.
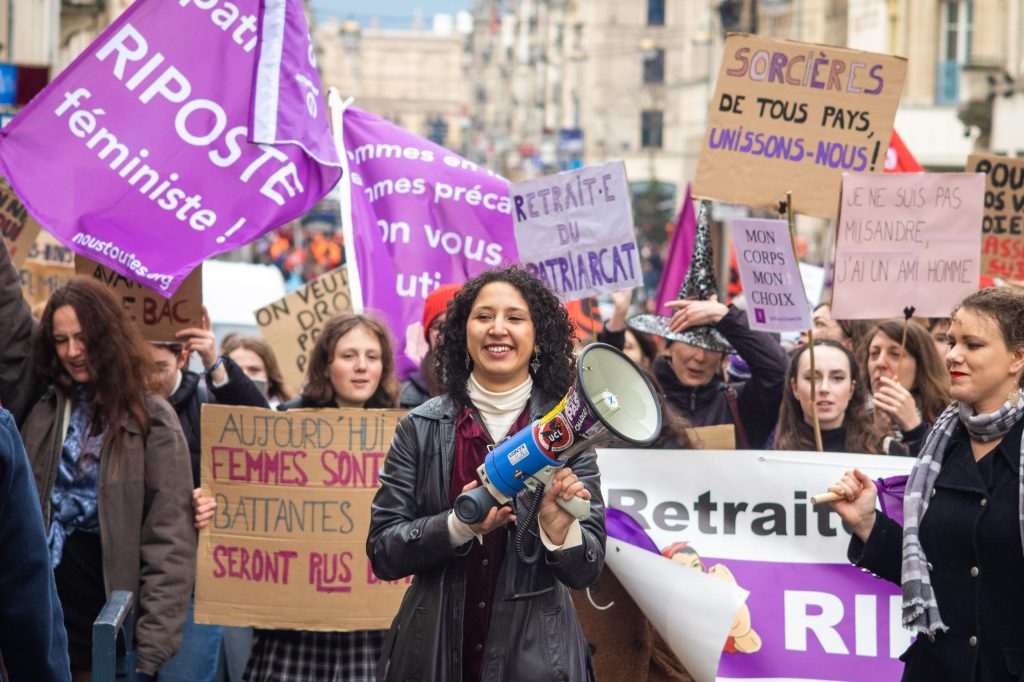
(276, 467)
(254, 565)
(352, 470)
(330, 572)
(372, 579)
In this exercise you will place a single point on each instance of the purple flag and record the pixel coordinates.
(680, 251)
(138, 155)
(421, 216)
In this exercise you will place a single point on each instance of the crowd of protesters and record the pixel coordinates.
(100, 480)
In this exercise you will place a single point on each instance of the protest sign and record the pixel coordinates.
(287, 544)
(158, 317)
(745, 517)
(17, 227)
(415, 216)
(147, 136)
(290, 325)
(718, 437)
(574, 231)
(770, 273)
(789, 116)
(907, 240)
(1002, 228)
(49, 265)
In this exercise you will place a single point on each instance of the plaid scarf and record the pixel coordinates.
(920, 609)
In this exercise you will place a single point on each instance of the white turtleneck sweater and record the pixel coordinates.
(498, 411)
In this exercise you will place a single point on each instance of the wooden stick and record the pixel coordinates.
(908, 312)
(791, 219)
(591, 303)
(823, 498)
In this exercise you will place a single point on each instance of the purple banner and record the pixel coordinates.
(421, 216)
(137, 155)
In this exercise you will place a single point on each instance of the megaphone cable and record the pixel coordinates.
(523, 524)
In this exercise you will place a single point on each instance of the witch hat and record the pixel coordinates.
(699, 285)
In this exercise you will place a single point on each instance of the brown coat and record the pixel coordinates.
(144, 497)
(624, 645)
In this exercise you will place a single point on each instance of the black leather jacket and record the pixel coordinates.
(534, 634)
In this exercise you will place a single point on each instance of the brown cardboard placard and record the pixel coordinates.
(17, 227)
(286, 546)
(158, 317)
(720, 437)
(290, 325)
(48, 265)
(1002, 228)
(791, 116)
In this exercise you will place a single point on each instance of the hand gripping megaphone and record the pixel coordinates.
(610, 399)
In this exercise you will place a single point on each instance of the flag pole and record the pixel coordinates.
(791, 220)
(337, 108)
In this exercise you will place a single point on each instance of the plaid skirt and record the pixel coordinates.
(300, 656)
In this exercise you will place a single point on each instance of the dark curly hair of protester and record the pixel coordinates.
(117, 355)
(552, 328)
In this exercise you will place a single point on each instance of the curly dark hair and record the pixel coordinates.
(117, 356)
(794, 433)
(552, 327)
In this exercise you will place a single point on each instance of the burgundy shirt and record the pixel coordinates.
(483, 563)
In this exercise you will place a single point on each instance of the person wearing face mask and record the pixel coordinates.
(259, 362)
(905, 407)
(959, 555)
(477, 608)
(839, 398)
(351, 365)
(110, 462)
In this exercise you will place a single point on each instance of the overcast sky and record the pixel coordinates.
(390, 11)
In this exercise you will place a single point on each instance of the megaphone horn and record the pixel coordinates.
(612, 398)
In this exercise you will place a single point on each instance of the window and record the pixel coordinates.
(654, 65)
(655, 12)
(954, 48)
(651, 123)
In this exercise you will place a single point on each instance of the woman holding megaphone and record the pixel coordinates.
(476, 610)
(959, 555)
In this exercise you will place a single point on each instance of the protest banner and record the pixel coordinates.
(1002, 228)
(790, 116)
(49, 265)
(907, 240)
(148, 137)
(770, 273)
(415, 216)
(744, 517)
(290, 325)
(158, 317)
(286, 548)
(574, 231)
(17, 227)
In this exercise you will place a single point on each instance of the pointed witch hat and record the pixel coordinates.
(699, 285)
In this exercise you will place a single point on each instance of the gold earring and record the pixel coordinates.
(1013, 397)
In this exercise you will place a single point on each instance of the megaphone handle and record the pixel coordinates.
(576, 506)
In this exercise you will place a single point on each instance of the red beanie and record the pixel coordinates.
(437, 303)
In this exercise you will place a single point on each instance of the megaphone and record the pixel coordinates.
(611, 398)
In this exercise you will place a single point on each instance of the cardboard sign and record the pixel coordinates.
(907, 240)
(291, 324)
(744, 517)
(796, 116)
(286, 546)
(1002, 228)
(17, 227)
(770, 273)
(719, 437)
(48, 265)
(158, 317)
(575, 231)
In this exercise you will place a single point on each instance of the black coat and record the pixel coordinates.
(757, 399)
(191, 394)
(971, 537)
(33, 643)
(534, 634)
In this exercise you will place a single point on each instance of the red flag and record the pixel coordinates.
(899, 159)
(680, 251)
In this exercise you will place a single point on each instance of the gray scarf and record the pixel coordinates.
(920, 610)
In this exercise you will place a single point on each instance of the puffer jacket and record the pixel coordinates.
(534, 633)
